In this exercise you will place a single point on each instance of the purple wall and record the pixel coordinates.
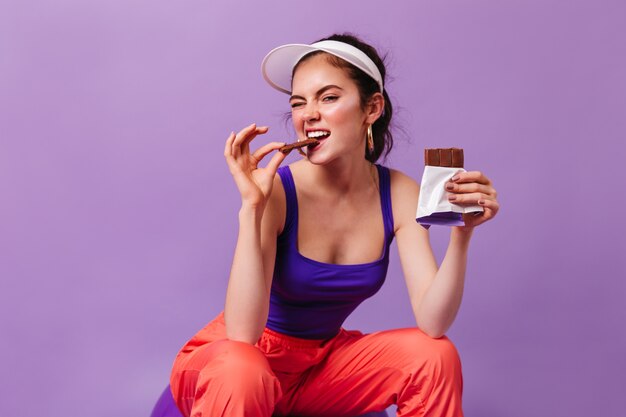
(118, 215)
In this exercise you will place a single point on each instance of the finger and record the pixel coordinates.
(275, 162)
(472, 187)
(245, 144)
(260, 153)
(470, 198)
(470, 176)
(229, 144)
(492, 205)
(490, 209)
(228, 149)
(478, 217)
(248, 133)
(240, 137)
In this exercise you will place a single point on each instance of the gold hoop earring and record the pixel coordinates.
(370, 140)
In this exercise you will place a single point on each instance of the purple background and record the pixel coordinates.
(118, 216)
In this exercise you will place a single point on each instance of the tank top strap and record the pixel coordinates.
(290, 196)
(385, 200)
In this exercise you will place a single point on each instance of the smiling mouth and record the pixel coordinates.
(318, 134)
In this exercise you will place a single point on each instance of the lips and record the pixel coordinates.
(318, 134)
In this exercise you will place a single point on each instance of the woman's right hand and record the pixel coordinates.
(254, 183)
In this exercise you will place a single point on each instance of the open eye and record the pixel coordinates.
(329, 98)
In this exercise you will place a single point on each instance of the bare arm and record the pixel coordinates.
(435, 292)
(440, 303)
(247, 297)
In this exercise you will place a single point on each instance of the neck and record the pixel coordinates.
(344, 176)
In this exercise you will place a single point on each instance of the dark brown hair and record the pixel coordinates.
(381, 129)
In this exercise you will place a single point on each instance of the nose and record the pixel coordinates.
(310, 113)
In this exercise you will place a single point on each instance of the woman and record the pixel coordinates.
(313, 243)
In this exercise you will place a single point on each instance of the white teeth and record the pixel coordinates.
(317, 134)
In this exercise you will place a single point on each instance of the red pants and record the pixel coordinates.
(348, 375)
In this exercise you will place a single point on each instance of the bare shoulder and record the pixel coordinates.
(402, 182)
(404, 196)
(404, 189)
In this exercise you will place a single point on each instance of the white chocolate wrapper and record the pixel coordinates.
(433, 206)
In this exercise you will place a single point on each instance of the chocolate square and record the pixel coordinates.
(444, 157)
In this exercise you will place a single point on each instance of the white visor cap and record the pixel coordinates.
(278, 64)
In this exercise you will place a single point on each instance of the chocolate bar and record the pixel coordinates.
(444, 157)
(297, 145)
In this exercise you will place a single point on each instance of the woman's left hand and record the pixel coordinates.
(473, 188)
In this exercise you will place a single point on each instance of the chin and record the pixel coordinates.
(321, 158)
(316, 159)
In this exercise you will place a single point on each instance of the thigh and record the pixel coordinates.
(365, 373)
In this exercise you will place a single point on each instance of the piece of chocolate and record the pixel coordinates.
(431, 157)
(444, 157)
(457, 158)
(297, 145)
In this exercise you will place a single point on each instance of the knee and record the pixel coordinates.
(225, 375)
(237, 361)
(435, 375)
(439, 357)
(224, 363)
(444, 357)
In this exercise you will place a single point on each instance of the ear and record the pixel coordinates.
(375, 107)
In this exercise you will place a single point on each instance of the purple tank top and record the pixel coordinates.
(311, 299)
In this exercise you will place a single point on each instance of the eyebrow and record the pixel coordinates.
(318, 93)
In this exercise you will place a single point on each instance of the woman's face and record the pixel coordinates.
(325, 105)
